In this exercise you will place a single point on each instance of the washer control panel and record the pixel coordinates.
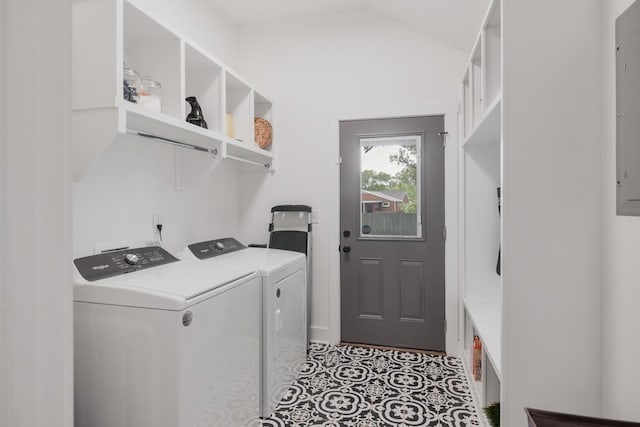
(102, 266)
(211, 248)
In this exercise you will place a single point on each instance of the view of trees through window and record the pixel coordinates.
(389, 186)
(404, 180)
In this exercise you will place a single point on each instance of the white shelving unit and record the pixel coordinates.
(110, 33)
(481, 176)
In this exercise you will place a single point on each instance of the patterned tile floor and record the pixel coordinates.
(364, 387)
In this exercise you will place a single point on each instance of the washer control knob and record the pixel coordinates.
(219, 246)
(131, 259)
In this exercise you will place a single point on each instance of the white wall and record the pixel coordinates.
(551, 245)
(36, 352)
(320, 70)
(201, 22)
(134, 179)
(3, 224)
(621, 246)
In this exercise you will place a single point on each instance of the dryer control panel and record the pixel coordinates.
(102, 266)
(211, 248)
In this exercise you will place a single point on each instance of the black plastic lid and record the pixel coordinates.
(291, 208)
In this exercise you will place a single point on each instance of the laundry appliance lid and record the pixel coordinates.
(172, 286)
(267, 262)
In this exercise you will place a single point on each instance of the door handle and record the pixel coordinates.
(346, 249)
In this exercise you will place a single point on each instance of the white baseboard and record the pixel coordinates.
(321, 334)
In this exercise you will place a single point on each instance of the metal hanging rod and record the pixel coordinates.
(213, 151)
(251, 162)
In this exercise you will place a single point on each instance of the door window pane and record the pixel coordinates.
(390, 176)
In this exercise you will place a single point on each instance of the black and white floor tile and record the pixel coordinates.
(364, 387)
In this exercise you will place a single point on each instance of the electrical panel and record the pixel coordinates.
(628, 111)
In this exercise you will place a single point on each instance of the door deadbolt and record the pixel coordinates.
(346, 233)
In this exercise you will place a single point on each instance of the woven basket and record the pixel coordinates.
(263, 132)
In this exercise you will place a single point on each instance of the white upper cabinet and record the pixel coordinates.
(107, 34)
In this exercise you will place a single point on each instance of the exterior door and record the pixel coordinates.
(392, 232)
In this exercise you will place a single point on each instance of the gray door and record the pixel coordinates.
(392, 232)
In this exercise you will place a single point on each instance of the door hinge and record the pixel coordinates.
(444, 232)
(445, 327)
(339, 161)
(444, 135)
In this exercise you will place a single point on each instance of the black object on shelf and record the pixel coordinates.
(195, 117)
(539, 418)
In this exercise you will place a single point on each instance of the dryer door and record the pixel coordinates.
(285, 343)
(290, 319)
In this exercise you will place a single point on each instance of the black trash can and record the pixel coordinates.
(290, 230)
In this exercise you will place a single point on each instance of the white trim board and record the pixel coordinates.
(320, 334)
(36, 302)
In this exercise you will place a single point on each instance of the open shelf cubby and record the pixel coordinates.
(466, 103)
(239, 109)
(203, 79)
(493, 49)
(491, 390)
(153, 51)
(487, 133)
(476, 84)
(487, 389)
(263, 108)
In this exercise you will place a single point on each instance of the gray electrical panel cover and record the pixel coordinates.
(628, 111)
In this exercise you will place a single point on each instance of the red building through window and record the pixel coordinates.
(383, 201)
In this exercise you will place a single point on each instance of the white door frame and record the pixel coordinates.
(452, 286)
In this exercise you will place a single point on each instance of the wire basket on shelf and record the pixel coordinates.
(263, 132)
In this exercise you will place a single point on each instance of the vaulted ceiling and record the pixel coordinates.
(455, 22)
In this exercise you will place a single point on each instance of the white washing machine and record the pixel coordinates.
(284, 331)
(165, 343)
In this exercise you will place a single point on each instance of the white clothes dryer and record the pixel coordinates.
(163, 343)
(284, 323)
